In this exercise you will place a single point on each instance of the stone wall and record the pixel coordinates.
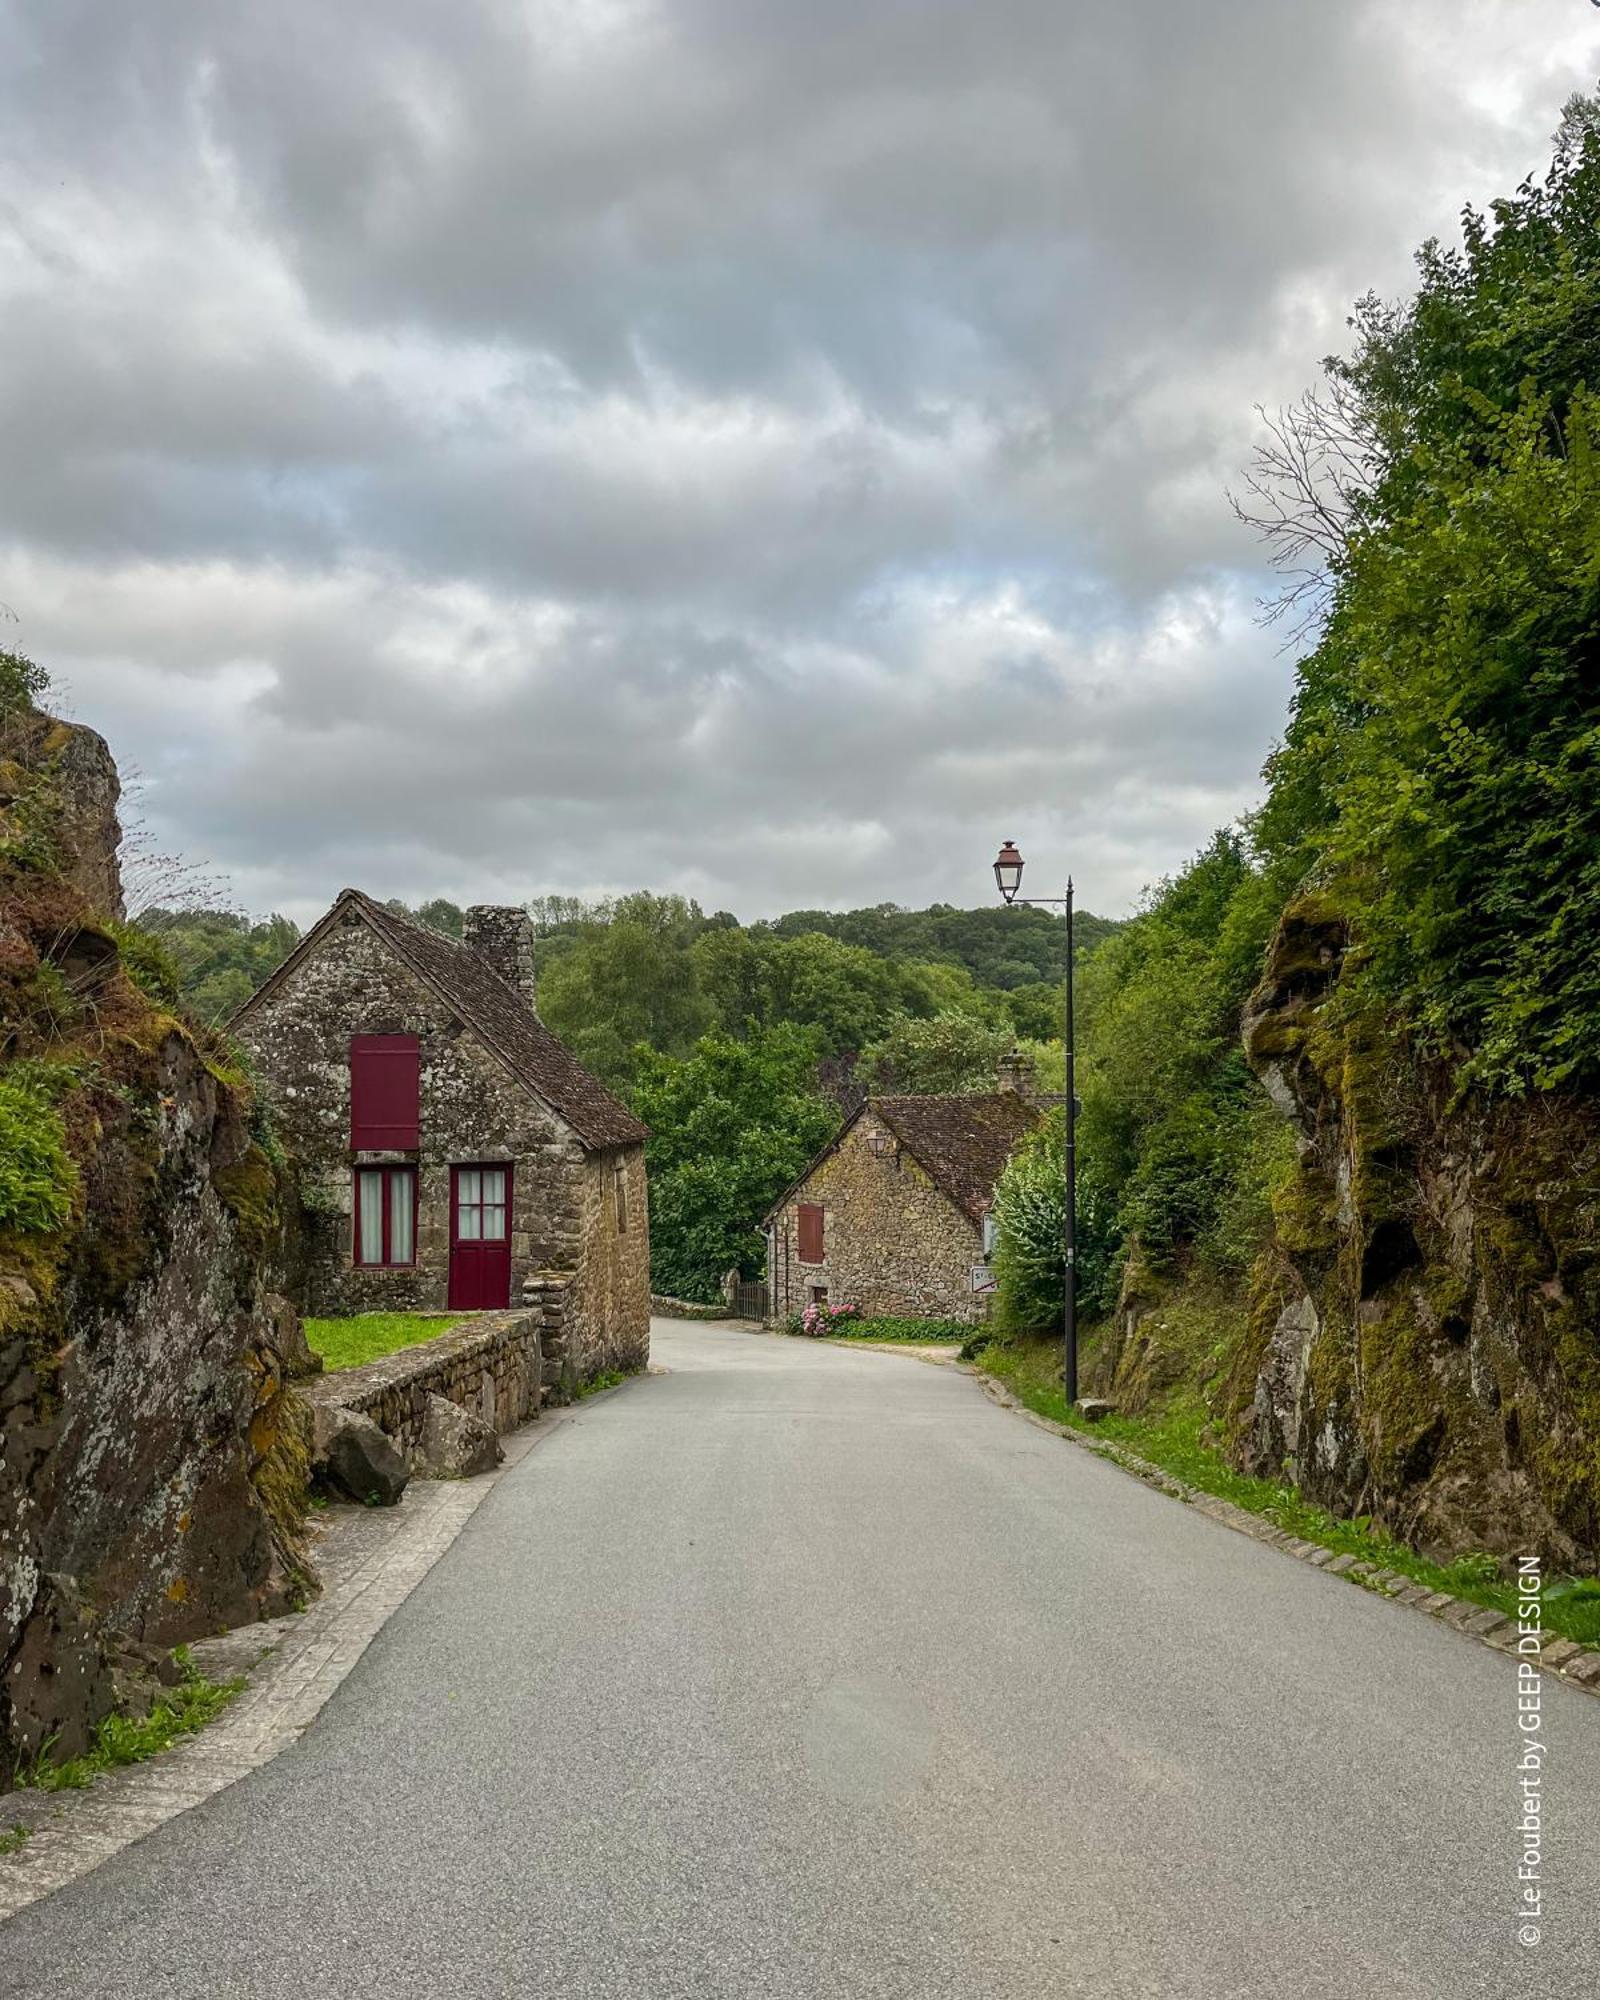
(492, 1365)
(610, 1309)
(892, 1242)
(472, 1109)
(547, 1298)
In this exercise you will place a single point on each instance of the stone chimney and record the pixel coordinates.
(502, 935)
(1017, 1073)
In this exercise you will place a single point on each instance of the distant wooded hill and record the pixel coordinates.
(660, 971)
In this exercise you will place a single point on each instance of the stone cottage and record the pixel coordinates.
(892, 1215)
(450, 1148)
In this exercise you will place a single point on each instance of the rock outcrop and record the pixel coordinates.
(1424, 1343)
(153, 1453)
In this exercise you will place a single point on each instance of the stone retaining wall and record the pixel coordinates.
(492, 1364)
(666, 1308)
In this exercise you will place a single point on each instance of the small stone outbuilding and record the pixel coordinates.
(452, 1152)
(892, 1215)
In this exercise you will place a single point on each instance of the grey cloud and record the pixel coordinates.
(745, 447)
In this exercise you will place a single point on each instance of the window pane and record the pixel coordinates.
(468, 1192)
(369, 1221)
(469, 1224)
(401, 1216)
(494, 1184)
(494, 1224)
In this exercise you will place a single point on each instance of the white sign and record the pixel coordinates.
(982, 1278)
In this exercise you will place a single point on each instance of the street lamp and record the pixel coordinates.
(1008, 880)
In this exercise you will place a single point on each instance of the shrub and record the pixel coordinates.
(21, 682)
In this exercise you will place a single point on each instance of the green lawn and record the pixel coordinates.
(347, 1343)
(1180, 1442)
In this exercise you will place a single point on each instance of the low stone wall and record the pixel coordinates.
(492, 1364)
(688, 1309)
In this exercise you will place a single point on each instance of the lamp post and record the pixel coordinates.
(1008, 880)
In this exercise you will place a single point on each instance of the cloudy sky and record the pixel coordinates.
(763, 450)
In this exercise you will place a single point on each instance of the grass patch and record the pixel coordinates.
(608, 1378)
(121, 1739)
(1181, 1441)
(348, 1343)
(13, 1840)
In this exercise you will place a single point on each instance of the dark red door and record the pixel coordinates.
(480, 1238)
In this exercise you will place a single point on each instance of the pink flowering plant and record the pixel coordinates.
(821, 1320)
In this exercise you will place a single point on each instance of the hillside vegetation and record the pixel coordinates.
(1341, 1074)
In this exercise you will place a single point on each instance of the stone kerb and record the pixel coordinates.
(492, 1365)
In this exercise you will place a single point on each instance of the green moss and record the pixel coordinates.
(249, 1190)
(1305, 1212)
(1273, 1283)
(1404, 1401)
(280, 1444)
(1275, 1035)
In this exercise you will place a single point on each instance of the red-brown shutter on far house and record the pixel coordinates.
(383, 1093)
(810, 1232)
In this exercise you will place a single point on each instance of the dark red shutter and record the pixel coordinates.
(383, 1093)
(810, 1233)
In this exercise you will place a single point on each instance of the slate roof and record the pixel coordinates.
(961, 1143)
(501, 1017)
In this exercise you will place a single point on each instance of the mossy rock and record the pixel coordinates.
(250, 1191)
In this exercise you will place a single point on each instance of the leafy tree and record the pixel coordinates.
(951, 1054)
(441, 914)
(1030, 1209)
(1000, 948)
(221, 956)
(628, 985)
(1176, 1143)
(1442, 766)
(22, 683)
(732, 1124)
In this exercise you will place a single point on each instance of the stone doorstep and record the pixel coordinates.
(375, 1558)
(1576, 1666)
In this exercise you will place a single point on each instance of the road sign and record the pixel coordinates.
(982, 1278)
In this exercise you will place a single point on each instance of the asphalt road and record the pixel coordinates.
(800, 1672)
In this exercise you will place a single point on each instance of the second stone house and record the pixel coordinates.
(892, 1215)
(449, 1147)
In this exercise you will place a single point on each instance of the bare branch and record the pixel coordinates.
(1301, 493)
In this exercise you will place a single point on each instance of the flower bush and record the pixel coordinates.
(821, 1320)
